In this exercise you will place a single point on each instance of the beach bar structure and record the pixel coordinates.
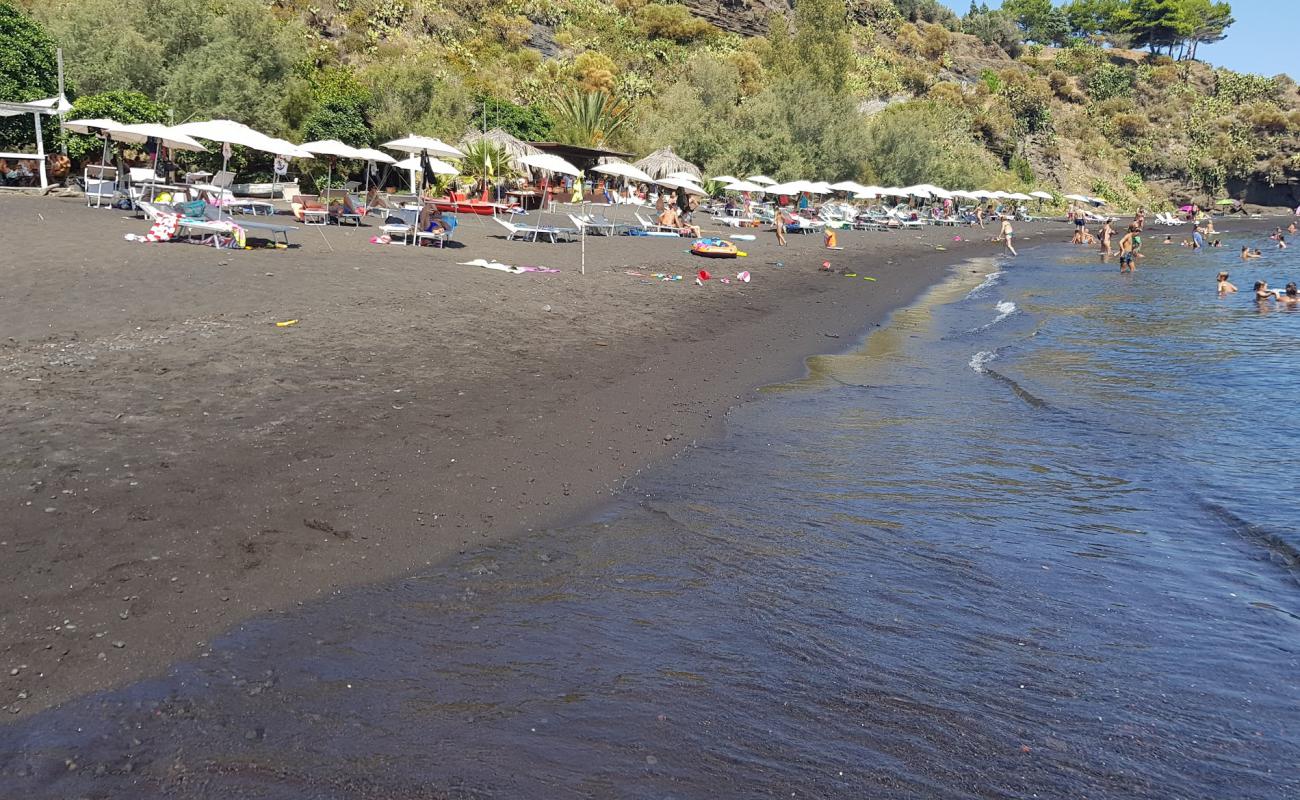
(49, 107)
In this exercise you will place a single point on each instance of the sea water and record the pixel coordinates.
(1036, 537)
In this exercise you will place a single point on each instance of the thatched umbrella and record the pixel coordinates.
(514, 149)
(661, 163)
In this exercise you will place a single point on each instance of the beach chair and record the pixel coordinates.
(438, 237)
(655, 227)
(591, 224)
(101, 185)
(342, 206)
(205, 230)
(309, 209)
(274, 230)
(223, 180)
(532, 233)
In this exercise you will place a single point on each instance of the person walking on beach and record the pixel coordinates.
(778, 225)
(1224, 286)
(1007, 236)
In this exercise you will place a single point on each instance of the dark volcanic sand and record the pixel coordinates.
(173, 462)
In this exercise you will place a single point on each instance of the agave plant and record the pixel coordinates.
(588, 118)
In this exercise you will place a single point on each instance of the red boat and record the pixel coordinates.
(459, 203)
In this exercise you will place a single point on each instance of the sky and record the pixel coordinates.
(1265, 38)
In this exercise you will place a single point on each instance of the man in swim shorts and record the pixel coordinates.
(1127, 249)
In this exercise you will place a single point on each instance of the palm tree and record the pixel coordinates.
(485, 159)
(588, 118)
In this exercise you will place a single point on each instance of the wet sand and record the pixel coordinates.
(175, 463)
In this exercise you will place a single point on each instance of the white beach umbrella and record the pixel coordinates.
(920, 191)
(1019, 196)
(746, 186)
(1077, 198)
(229, 132)
(686, 186)
(852, 187)
(87, 125)
(1041, 195)
(438, 166)
(550, 163)
(413, 143)
(684, 176)
(371, 154)
(334, 149)
(725, 178)
(623, 170)
(1097, 200)
(144, 131)
(763, 179)
(818, 187)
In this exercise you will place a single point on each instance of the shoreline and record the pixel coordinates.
(181, 464)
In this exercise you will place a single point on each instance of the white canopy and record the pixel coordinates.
(146, 130)
(1019, 196)
(371, 154)
(1041, 195)
(437, 166)
(550, 163)
(763, 179)
(684, 176)
(920, 190)
(624, 170)
(332, 147)
(413, 143)
(48, 106)
(745, 186)
(725, 178)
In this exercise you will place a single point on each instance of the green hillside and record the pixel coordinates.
(880, 91)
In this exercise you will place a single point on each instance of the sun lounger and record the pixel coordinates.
(343, 207)
(101, 185)
(533, 232)
(655, 227)
(276, 231)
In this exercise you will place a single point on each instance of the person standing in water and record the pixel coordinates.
(1127, 249)
(1224, 286)
(1007, 236)
(1104, 235)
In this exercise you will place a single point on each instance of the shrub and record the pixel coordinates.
(1130, 126)
(1109, 80)
(673, 22)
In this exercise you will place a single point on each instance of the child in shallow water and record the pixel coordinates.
(1224, 286)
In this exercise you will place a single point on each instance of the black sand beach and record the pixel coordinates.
(175, 462)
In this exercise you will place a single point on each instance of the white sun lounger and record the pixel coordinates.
(532, 233)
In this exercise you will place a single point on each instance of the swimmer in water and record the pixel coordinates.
(1224, 286)
(1262, 292)
(1246, 254)
(1169, 238)
(1291, 296)
(1281, 242)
